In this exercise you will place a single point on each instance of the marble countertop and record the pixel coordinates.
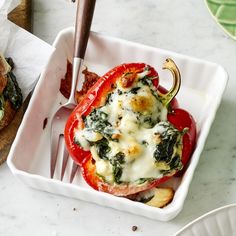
(182, 26)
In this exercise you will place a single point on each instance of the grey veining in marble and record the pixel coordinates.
(182, 26)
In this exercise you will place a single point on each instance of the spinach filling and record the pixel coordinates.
(164, 152)
(143, 180)
(109, 98)
(147, 121)
(134, 90)
(103, 149)
(97, 122)
(146, 80)
(117, 168)
(12, 92)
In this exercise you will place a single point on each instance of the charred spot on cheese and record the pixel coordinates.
(129, 136)
(134, 150)
(142, 104)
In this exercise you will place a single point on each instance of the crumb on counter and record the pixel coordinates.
(75, 209)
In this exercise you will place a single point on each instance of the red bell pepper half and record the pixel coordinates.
(96, 97)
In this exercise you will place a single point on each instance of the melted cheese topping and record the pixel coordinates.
(134, 114)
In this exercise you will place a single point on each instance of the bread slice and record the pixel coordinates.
(3, 83)
(9, 114)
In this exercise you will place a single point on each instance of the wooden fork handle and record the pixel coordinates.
(84, 16)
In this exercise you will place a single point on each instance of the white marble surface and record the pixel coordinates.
(182, 26)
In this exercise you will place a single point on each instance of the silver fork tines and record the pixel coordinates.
(75, 167)
(58, 124)
(84, 17)
(58, 146)
(64, 159)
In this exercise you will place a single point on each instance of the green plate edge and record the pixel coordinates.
(228, 26)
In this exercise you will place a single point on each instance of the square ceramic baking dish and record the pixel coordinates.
(201, 91)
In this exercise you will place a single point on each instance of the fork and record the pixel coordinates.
(84, 15)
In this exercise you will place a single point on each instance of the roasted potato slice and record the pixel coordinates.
(156, 197)
(162, 196)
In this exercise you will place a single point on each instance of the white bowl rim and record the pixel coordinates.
(208, 214)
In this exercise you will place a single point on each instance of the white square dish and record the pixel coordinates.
(203, 84)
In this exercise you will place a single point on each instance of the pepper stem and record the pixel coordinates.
(171, 66)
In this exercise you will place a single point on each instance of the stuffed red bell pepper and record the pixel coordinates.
(128, 134)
